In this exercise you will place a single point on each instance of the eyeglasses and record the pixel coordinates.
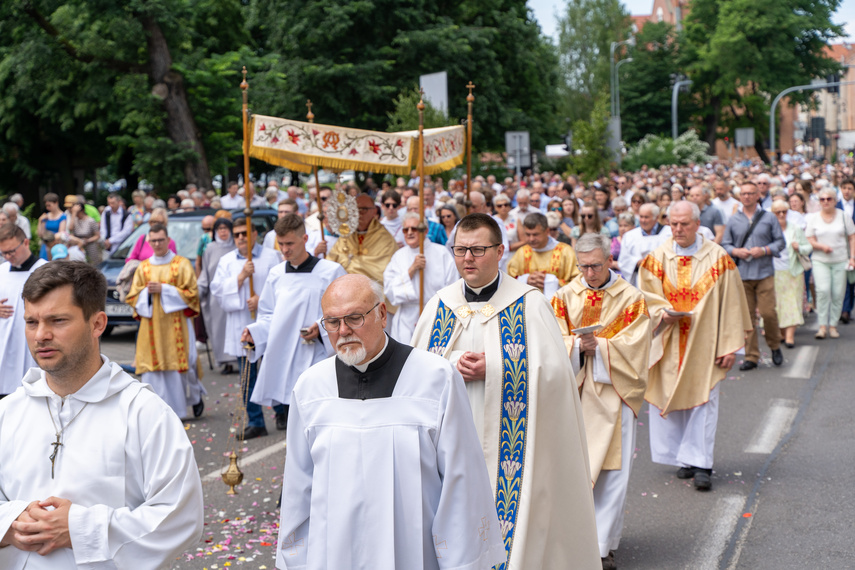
(324, 198)
(366, 209)
(390, 204)
(588, 216)
(157, 241)
(595, 267)
(826, 199)
(239, 234)
(410, 230)
(504, 205)
(11, 252)
(353, 320)
(781, 212)
(475, 250)
(554, 209)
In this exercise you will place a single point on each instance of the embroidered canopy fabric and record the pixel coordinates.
(299, 146)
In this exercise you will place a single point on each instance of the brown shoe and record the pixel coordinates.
(820, 333)
(832, 332)
(609, 561)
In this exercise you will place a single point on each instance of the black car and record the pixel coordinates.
(186, 229)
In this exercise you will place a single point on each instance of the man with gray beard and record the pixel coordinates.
(384, 468)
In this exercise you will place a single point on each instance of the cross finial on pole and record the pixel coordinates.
(470, 87)
(421, 105)
(310, 115)
(244, 84)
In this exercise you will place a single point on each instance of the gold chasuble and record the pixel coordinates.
(682, 356)
(559, 261)
(167, 345)
(366, 254)
(624, 343)
(533, 437)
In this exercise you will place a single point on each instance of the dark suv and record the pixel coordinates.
(186, 229)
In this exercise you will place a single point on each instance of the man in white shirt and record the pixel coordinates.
(14, 214)
(232, 200)
(121, 488)
(640, 241)
(116, 223)
(727, 204)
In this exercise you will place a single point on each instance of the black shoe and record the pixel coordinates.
(252, 432)
(844, 318)
(609, 561)
(777, 357)
(685, 472)
(790, 344)
(281, 421)
(229, 369)
(198, 408)
(702, 479)
(748, 365)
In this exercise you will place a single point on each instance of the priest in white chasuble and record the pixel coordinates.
(97, 472)
(368, 250)
(543, 262)
(611, 369)
(165, 297)
(503, 338)
(384, 469)
(402, 282)
(15, 358)
(700, 317)
(286, 331)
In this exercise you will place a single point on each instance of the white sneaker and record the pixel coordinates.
(201, 345)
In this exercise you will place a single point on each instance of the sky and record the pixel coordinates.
(544, 11)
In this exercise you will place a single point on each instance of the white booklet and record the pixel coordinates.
(586, 330)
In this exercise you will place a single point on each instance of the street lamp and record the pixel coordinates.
(677, 86)
(617, 85)
(629, 42)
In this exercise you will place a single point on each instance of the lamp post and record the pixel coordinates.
(674, 92)
(629, 42)
(617, 85)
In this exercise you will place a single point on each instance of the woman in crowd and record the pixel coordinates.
(53, 220)
(832, 236)
(789, 271)
(448, 218)
(589, 222)
(626, 222)
(639, 198)
(663, 200)
(502, 204)
(142, 250)
(85, 233)
(137, 211)
(212, 313)
(604, 203)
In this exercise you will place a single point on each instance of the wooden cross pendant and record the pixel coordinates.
(55, 445)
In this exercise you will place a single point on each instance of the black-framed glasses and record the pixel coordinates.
(362, 210)
(587, 216)
(353, 320)
(11, 252)
(827, 199)
(475, 250)
(157, 241)
(595, 267)
(410, 230)
(390, 204)
(503, 205)
(239, 234)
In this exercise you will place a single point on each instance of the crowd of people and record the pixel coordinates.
(449, 357)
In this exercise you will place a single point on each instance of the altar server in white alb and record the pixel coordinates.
(231, 289)
(286, 331)
(15, 359)
(384, 469)
(401, 281)
(97, 471)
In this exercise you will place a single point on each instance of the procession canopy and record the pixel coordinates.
(299, 146)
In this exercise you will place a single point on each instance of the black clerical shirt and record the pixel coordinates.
(378, 380)
(26, 265)
(305, 267)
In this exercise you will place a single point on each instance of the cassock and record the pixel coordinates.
(125, 463)
(683, 379)
(315, 239)
(166, 344)
(402, 291)
(527, 415)
(232, 299)
(384, 469)
(366, 253)
(290, 300)
(212, 310)
(611, 384)
(557, 259)
(15, 357)
(635, 246)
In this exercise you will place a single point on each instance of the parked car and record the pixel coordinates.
(186, 229)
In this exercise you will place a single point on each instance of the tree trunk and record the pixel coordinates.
(760, 147)
(180, 124)
(711, 124)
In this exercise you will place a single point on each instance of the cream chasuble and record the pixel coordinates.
(682, 356)
(532, 437)
(163, 338)
(558, 260)
(366, 254)
(624, 346)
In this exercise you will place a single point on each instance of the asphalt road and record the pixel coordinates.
(780, 496)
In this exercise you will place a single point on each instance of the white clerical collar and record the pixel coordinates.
(692, 249)
(612, 278)
(157, 260)
(477, 290)
(364, 367)
(550, 245)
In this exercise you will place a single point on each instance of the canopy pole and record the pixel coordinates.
(311, 118)
(470, 99)
(422, 227)
(247, 191)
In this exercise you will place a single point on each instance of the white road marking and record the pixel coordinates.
(722, 522)
(250, 459)
(776, 422)
(740, 541)
(802, 362)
